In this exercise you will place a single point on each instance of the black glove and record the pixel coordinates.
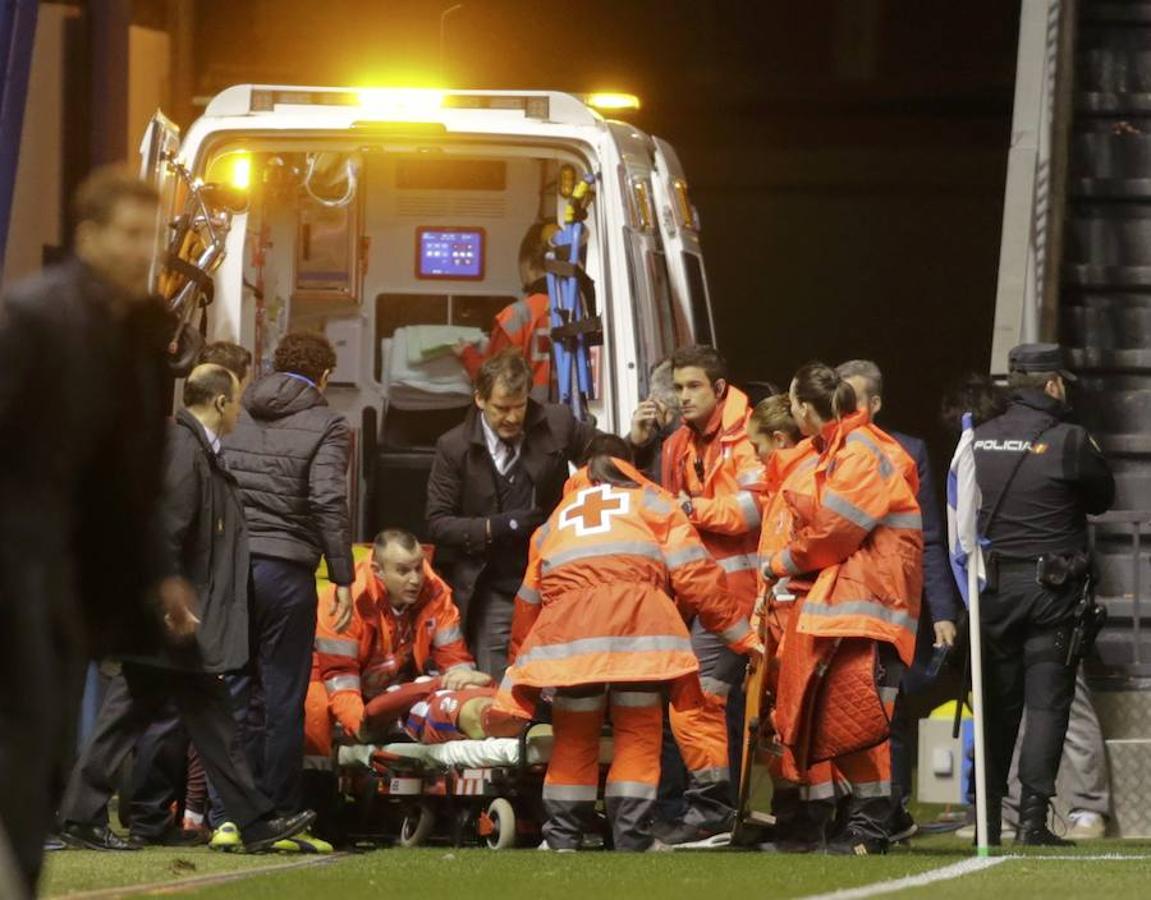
(516, 523)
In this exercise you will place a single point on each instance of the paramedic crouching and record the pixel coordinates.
(1040, 476)
(495, 478)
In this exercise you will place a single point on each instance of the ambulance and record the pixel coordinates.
(391, 220)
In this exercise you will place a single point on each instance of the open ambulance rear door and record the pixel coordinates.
(679, 227)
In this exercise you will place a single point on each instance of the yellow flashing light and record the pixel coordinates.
(612, 101)
(401, 103)
(233, 168)
(241, 178)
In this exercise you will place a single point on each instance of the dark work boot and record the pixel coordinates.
(994, 824)
(1033, 830)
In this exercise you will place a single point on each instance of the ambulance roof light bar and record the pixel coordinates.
(404, 104)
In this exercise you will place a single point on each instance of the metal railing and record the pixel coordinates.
(1136, 520)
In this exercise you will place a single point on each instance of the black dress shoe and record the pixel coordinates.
(260, 835)
(93, 837)
(53, 843)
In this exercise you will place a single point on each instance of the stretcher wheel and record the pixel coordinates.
(417, 825)
(503, 819)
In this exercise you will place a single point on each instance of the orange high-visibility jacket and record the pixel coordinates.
(595, 608)
(865, 539)
(790, 501)
(727, 503)
(374, 651)
(525, 326)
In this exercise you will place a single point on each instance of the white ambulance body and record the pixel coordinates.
(371, 215)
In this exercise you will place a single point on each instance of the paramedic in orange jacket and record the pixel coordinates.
(854, 631)
(595, 621)
(526, 324)
(402, 644)
(801, 809)
(711, 467)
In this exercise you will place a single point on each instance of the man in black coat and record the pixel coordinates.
(84, 395)
(205, 533)
(290, 454)
(495, 478)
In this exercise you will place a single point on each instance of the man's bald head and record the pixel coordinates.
(207, 382)
(212, 395)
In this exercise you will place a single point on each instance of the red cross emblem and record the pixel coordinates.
(593, 508)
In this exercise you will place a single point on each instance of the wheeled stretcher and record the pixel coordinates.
(475, 791)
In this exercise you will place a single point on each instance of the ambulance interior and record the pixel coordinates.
(395, 251)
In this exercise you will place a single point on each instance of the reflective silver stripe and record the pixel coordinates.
(337, 647)
(462, 665)
(867, 608)
(317, 763)
(712, 775)
(888, 694)
(752, 476)
(571, 793)
(580, 704)
(849, 510)
(636, 789)
(739, 562)
(638, 644)
(519, 315)
(342, 683)
(736, 632)
(636, 698)
(445, 636)
(541, 533)
(614, 548)
(751, 514)
(657, 504)
(714, 686)
(871, 789)
(885, 466)
(825, 791)
(903, 520)
(786, 560)
(685, 555)
(528, 595)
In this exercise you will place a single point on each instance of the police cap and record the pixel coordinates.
(1039, 358)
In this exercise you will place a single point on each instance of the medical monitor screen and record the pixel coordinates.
(450, 253)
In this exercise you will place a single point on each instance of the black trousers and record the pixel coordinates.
(131, 703)
(282, 629)
(42, 665)
(1025, 637)
(159, 774)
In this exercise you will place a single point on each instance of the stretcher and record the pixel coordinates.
(486, 792)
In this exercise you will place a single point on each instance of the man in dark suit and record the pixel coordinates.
(495, 478)
(84, 396)
(205, 533)
(940, 601)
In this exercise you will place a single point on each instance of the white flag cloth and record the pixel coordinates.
(963, 501)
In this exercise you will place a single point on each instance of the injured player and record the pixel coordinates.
(401, 663)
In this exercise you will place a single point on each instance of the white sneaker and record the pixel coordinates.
(1086, 825)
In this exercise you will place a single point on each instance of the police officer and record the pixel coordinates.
(1040, 476)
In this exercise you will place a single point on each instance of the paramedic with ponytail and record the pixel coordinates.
(855, 629)
(595, 620)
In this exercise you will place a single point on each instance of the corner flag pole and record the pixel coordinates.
(963, 505)
(982, 847)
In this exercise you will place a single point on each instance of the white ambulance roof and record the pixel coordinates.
(253, 107)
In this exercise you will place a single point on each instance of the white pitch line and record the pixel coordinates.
(1101, 857)
(947, 873)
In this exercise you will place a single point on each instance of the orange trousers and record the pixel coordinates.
(572, 782)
